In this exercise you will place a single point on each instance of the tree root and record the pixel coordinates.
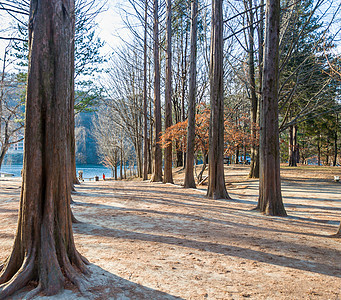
(23, 276)
(49, 273)
(33, 293)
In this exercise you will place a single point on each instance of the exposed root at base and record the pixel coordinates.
(27, 272)
(24, 275)
(33, 293)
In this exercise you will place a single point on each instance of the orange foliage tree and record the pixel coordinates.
(237, 133)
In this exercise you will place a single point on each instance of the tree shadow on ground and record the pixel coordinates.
(243, 213)
(228, 250)
(102, 284)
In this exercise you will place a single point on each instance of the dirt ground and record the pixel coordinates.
(160, 241)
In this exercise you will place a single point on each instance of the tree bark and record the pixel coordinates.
(254, 167)
(293, 146)
(3, 152)
(115, 173)
(2, 88)
(335, 140)
(44, 249)
(74, 179)
(237, 156)
(270, 197)
(290, 145)
(168, 176)
(319, 150)
(145, 104)
(216, 180)
(189, 171)
(157, 175)
(182, 159)
(121, 163)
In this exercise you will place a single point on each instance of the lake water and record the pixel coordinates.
(88, 170)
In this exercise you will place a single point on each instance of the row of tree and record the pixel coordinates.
(44, 250)
(168, 64)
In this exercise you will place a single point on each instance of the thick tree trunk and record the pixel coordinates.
(189, 172)
(145, 104)
(270, 197)
(157, 174)
(168, 175)
(44, 249)
(216, 180)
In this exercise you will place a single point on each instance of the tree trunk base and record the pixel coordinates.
(218, 194)
(190, 185)
(156, 178)
(50, 269)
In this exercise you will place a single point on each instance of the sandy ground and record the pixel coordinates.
(160, 241)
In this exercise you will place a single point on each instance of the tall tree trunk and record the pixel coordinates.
(335, 140)
(254, 167)
(319, 150)
(293, 146)
(182, 159)
(216, 180)
(150, 167)
(179, 157)
(290, 153)
(168, 176)
(124, 168)
(44, 249)
(157, 175)
(237, 156)
(189, 172)
(145, 97)
(296, 146)
(254, 171)
(121, 163)
(2, 88)
(115, 170)
(74, 179)
(270, 196)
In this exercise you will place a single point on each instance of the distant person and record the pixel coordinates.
(103, 176)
